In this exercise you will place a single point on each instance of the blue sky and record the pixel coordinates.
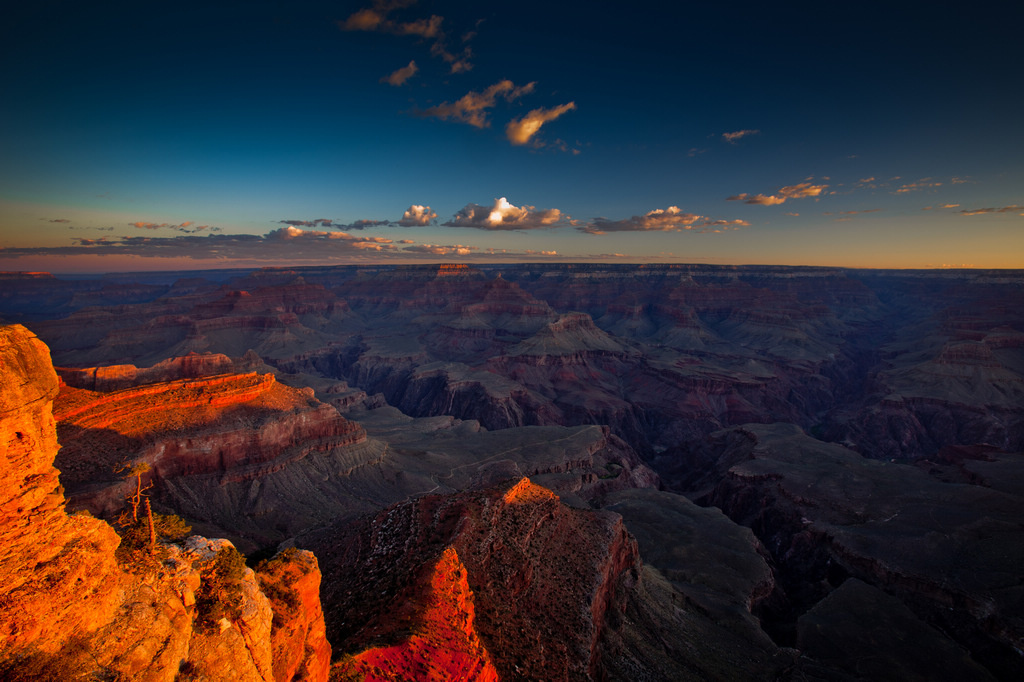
(243, 134)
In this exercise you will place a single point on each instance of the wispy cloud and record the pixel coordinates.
(416, 216)
(284, 244)
(439, 250)
(472, 107)
(457, 63)
(1002, 209)
(188, 227)
(400, 76)
(521, 130)
(316, 222)
(671, 219)
(376, 19)
(798, 191)
(736, 136)
(502, 215)
(925, 183)
(363, 224)
(56, 220)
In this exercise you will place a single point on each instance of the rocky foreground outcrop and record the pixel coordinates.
(72, 610)
(536, 582)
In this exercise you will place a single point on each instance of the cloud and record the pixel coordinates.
(457, 63)
(869, 210)
(316, 222)
(362, 224)
(504, 216)
(281, 245)
(734, 137)
(798, 191)
(375, 18)
(58, 220)
(188, 227)
(417, 216)
(438, 250)
(472, 107)
(520, 130)
(758, 199)
(671, 219)
(399, 76)
(1002, 209)
(919, 185)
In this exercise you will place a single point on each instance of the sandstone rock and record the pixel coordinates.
(300, 649)
(58, 577)
(545, 580)
(69, 608)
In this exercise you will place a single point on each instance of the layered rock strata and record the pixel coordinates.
(72, 611)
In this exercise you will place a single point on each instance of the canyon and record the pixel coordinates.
(524, 472)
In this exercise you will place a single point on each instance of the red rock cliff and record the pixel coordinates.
(444, 584)
(70, 611)
(58, 576)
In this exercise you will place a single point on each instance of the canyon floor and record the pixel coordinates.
(566, 471)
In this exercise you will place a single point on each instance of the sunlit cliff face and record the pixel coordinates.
(445, 644)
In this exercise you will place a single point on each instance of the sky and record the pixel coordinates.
(161, 136)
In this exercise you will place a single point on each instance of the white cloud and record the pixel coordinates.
(504, 216)
(417, 215)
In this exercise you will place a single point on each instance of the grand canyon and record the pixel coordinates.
(513, 472)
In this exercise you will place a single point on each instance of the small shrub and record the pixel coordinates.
(220, 593)
(135, 552)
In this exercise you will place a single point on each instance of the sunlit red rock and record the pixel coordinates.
(71, 611)
(545, 582)
(58, 577)
(444, 645)
(240, 426)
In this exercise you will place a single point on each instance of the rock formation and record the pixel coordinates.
(537, 583)
(946, 552)
(72, 609)
(601, 383)
(59, 573)
(237, 427)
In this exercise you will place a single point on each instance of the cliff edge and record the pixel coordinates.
(72, 611)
